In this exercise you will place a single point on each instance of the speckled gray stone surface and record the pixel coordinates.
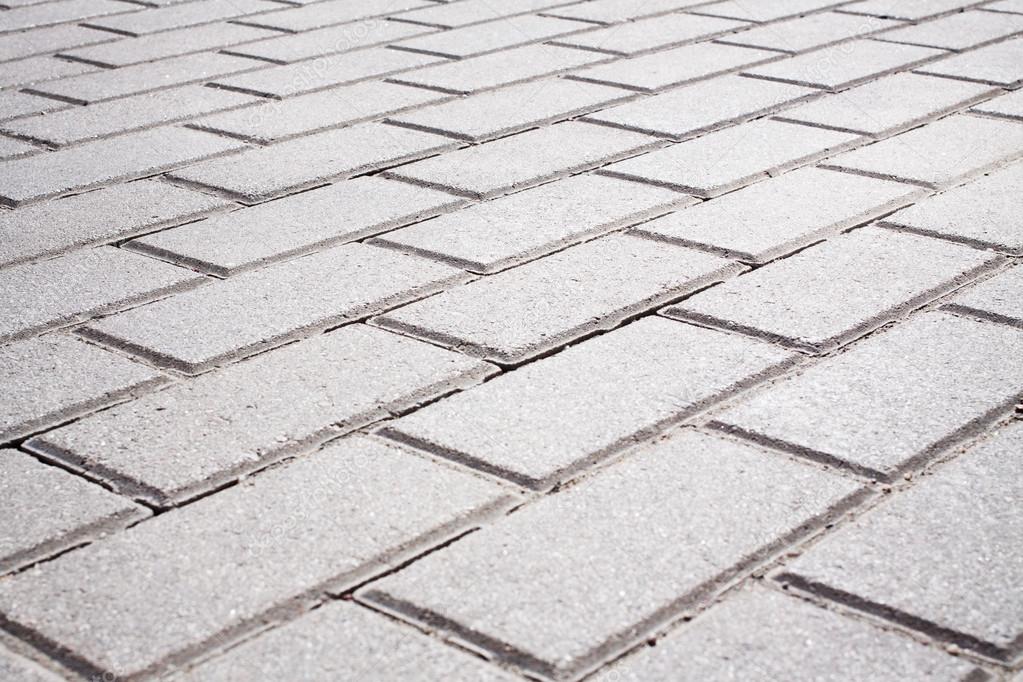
(808, 32)
(14, 667)
(999, 298)
(998, 64)
(653, 33)
(466, 41)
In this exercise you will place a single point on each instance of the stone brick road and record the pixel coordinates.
(626, 340)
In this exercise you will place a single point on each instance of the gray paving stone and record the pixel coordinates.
(510, 110)
(911, 10)
(242, 240)
(14, 667)
(14, 104)
(329, 13)
(939, 154)
(495, 235)
(155, 20)
(47, 510)
(1006, 106)
(982, 213)
(957, 31)
(249, 554)
(1009, 6)
(116, 117)
(668, 68)
(826, 296)
(119, 212)
(728, 159)
(39, 69)
(128, 51)
(497, 68)
(615, 11)
(686, 516)
(467, 41)
(55, 378)
(325, 72)
(524, 160)
(80, 285)
(106, 161)
(842, 66)
(171, 446)
(999, 299)
(260, 174)
(890, 403)
(655, 33)
(12, 149)
(998, 64)
(50, 13)
(780, 215)
(259, 310)
(760, 635)
(702, 107)
(545, 422)
(808, 33)
(953, 533)
(889, 105)
(764, 10)
(346, 643)
(48, 40)
(453, 15)
(516, 315)
(132, 80)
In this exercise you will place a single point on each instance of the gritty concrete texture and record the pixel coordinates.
(15, 104)
(892, 401)
(191, 438)
(908, 10)
(765, 10)
(808, 33)
(523, 312)
(474, 12)
(259, 310)
(681, 527)
(999, 299)
(49, 510)
(26, 72)
(292, 47)
(459, 43)
(957, 31)
(169, 44)
(49, 14)
(998, 64)
(1007, 106)
(654, 33)
(46, 40)
(615, 11)
(320, 14)
(180, 16)
(953, 534)
(15, 667)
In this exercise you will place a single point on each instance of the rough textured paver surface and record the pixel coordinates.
(524, 340)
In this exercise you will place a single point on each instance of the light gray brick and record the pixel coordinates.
(497, 68)
(998, 64)
(477, 39)
(958, 31)
(940, 153)
(129, 51)
(48, 40)
(516, 315)
(764, 10)
(14, 667)
(173, 445)
(1006, 106)
(106, 215)
(132, 80)
(55, 378)
(808, 33)
(686, 516)
(1008, 6)
(702, 107)
(668, 68)
(510, 110)
(615, 11)
(524, 160)
(778, 216)
(982, 213)
(760, 635)
(495, 235)
(453, 15)
(155, 20)
(324, 72)
(842, 66)
(50, 13)
(39, 69)
(106, 161)
(260, 174)
(12, 149)
(889, 105)
(47, 510)
(14, 104)
(942, 557)
(77, 286)
(826, 296)
(732, 158)
(115, 117)
(999, 299)
(655, 33)
(263, 309)
(242, 240)
(893, 401)
(320, 14)
(249, 554)
(910, 10)
(543, 423)
(346, 643)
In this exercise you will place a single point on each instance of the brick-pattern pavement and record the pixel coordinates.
(534, 339)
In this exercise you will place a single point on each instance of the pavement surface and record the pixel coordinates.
(618, 340)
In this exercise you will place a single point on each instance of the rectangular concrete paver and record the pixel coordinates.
(294, 47)
(128, 51)
(543, 423)
(467, 41)
(686, 515)
(15, 104)
(453, 15)
(171, 446)
(1006, 106)
(526, 311)
(48, 14)
(654, 33)
(832, 293)
(39, 70)
(15, 667)
(117, 608)
(907, 10)
(893, 401)
(48, 40)
(808, 33)
(330, 13)
(957, 31)
(181, 16)
(616, 11)
(999, 299)
(955, 532)
(998, 64)
(763, 10)
(47, 510)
